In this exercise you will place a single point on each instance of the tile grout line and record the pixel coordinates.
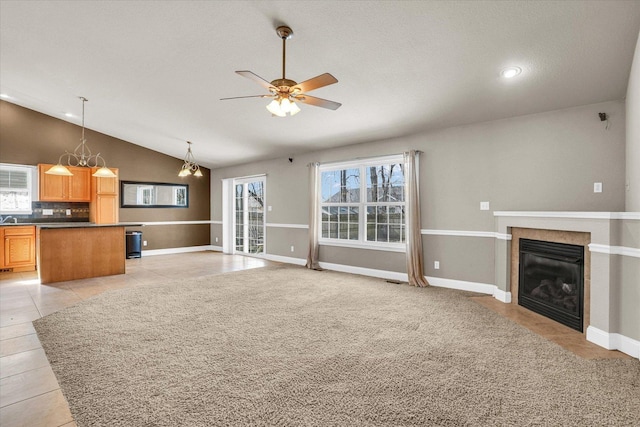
(37, 395)
(32, 369)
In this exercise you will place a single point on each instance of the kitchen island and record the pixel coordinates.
(70, 251)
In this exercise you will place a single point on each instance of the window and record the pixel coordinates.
(363, 203)
(16, 189)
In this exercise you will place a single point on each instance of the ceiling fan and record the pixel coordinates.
(284, 92)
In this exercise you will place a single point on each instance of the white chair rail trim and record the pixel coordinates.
(570, 214)
(467, 233)
(137, 223)
(303, 226)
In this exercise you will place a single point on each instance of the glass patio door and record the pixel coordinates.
(249, 226)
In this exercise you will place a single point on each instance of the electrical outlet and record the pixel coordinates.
(436, 265)
(484, 206)
(68, 212)
(144, 243)
(292, 248)
(216, 240)
(47, 211)
(597, 187)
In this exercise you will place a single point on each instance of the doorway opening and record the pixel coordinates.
(249, 215)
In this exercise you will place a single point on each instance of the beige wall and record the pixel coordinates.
(633, 135)
(28, 137)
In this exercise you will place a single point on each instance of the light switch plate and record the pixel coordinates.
(269, 208)
(436, 265)
(484, 206)
(47, 211)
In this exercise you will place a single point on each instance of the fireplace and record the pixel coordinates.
(551, 280)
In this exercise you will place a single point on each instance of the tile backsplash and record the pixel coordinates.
(79, 212)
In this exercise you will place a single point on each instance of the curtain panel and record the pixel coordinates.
(415, 269)
(314, 196)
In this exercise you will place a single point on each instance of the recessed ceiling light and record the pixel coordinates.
(510, 72)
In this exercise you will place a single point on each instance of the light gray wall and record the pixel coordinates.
(541, 162)
(625, 278)
(633, 134)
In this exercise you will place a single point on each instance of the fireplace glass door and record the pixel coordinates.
(551, 280)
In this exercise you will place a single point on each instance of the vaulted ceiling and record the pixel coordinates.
(154, 72)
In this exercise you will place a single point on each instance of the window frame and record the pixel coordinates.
(362, 204)
(31, 190)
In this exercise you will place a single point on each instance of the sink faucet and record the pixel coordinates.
(6, 218)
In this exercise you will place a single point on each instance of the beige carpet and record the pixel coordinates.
(292, 347)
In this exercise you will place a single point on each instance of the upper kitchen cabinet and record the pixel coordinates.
(103, 208)
(55, 188)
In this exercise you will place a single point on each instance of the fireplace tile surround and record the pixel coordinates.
(599, 233)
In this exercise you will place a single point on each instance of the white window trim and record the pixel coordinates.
(32, 184)
(360, 164)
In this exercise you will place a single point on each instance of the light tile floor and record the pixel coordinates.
(568, 338)
(29, 393)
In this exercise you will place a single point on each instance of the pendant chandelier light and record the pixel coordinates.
(82, 157)
(190, 166)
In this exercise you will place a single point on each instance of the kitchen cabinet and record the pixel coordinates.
(102, 248)
(103, 208)
(55, 188)
(18, 248)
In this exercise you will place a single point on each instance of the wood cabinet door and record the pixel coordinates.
(106, 209)
(52, 188)
(19, 249)
(2, 247)
(79, 185)
(105, 185)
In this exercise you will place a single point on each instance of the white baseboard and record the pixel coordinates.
(383, 274)
(482, 288)
(285, 259)
(502, 296)
(167, 251)
(612, 341)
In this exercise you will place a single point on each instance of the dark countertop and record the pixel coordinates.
(43, 225)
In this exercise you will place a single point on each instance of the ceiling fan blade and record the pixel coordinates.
(318, 102)
(256, 78)
(316, 82)
(250, 96)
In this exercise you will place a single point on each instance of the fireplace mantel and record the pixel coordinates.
(605, 244)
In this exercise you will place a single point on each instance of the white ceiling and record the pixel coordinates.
(154, 71)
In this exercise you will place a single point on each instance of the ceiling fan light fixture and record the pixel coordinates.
(294, 109)
(274, 108)
(285, 105)
(286, 92)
